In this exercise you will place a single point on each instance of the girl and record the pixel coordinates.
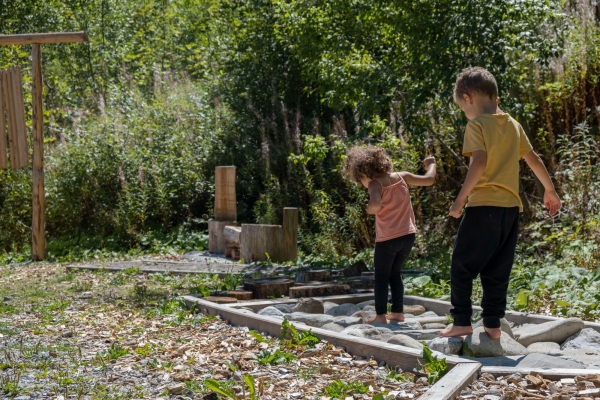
(395, 225)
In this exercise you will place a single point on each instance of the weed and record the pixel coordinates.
(341, 389)
(400, 376)
(278, 357)
(85, 286)
(296, 339)
(258, 337)
(114, 352)
(432, 367)
(69, 276)
(9, 384)
(146, 350)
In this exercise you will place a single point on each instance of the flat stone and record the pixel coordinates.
(481, 345)
(544, 361)
(328, 305)
(586, 356)
(348, 321)
(346, 310)
(429, 314)
(368, 308)
(284, 308)
(316, 320)
(363, 315)
(434, 326)
(587, 338)
(414, 310)
(553, 331)
(396, 326)
(333, 327)
(549, 348)
(309, 305)
(405, 341)
(594, 365)
(429, 320)
(366, 303)
(271, 312)
(504, 326)
(366, 331)
(504, 361)
(423, 334)
(446, 345)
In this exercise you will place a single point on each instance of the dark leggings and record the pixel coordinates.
(390, 256)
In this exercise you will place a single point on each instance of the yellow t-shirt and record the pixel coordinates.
(505, 142)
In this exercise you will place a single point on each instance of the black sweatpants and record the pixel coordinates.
(485, 245)
(390, 256)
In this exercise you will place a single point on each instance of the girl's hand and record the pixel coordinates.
(428, 161)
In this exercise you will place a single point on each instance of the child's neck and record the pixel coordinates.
(488, 106)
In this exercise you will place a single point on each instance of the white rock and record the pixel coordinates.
(481, 345)
(553, 331)
(504, 326)
(347, 321)
(549, 348)
(366, 331)
(397, 326)
(316, 320)
(271, 312)
(309, 305)
(366, 303)
(333, 327)
(328, 305)
(405, 341)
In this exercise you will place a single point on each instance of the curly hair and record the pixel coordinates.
(366, 161)
(475, 80)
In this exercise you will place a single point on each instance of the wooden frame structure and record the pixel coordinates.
(38, 250)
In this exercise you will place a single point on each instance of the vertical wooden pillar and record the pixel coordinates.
(290, 233)
(3, 146)
(20, 117)
(39, 199)
(225, 208)
(10, 117)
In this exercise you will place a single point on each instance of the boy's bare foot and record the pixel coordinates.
(456, 331)
(395, 316)
(378, 319)
(494, 333)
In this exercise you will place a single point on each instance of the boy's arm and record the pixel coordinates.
(473, 175)
(551, 199)
(422, 180)
(374, 197)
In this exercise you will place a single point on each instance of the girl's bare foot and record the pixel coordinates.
(378, 319)
(395, 316)
(456, 331)
(494, 333)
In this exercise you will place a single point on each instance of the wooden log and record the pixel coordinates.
(321, 290)
(39, 200)
(232, 234)
(225, 203)
(258, 241)
(290, 233)
(459, 377)
(220, 300)
(322, 275)
(265, 288)
(17, 89)
(216, 240)
(356, 269)
(3, 140)
(240, 294)
(40, 38)
(10, 116)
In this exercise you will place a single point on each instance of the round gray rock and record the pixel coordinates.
(549, 348)
(446, 345)
(271, 312)
(397, 326)
(481, 345)
(316, 320)
(369, 308)
(345, 310)
(366, 331)
(347, 321)
(434, 326)
(504, 326)
(309, 305)
(333, 327)
(553, 331)
(366, 303)
(587, 339)
(328, 305)
(405, 341)
(284, 308)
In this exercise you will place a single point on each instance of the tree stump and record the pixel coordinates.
(220, 300)
(356, 269)
(265, 288)
(216, 238)
(319, 290)
(240, 294)
(318, 275)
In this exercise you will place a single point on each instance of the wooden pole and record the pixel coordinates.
(41, 38)
(290, 233)
(10, 116)
(3, 147)
(225, 207)
(39, 201)
(20, 115)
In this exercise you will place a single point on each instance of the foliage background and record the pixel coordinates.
(137, 119)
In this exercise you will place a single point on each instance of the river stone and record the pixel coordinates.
(368, 308)
(366, 331)
(423, 334)
(405, 341)
(308, 305)
(414, 309)
(434, 326)
(587, 339)
(549, 348)
(365, 303)
(284, 308)
(507, 361)
(396, 326)
(316, 320)
(271, 312)
(553, 331)
(544, 361)
(504, 326)
(481, 345)
(444, 345)
(328, 305)
(347, 321)
(333, 327)
(428, 314)
(346, 310)
(429, 320)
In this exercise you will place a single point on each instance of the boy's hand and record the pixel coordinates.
(457, 207)
(428, 161)
(551, 201)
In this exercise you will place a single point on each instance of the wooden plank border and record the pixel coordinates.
(550, 373)
(461, 374)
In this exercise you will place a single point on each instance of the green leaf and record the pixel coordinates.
(522, 298)
(249, 379)
(217, 387)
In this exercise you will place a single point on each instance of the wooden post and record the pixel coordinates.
(225, 207)
(20, 115)
(3, 149)
(10, 116)
(290, 233)
(39, 200)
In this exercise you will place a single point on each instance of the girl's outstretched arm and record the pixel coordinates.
(422, 180)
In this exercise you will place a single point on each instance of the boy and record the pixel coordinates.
(487, 236)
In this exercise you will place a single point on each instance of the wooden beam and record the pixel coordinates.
(20, 118)
(450, 386)
(547, 373)
(290, 233)
(10, 116)
(38, 250)
(41, 38)
(3, 142)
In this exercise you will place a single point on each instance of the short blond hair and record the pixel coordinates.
(475, 80)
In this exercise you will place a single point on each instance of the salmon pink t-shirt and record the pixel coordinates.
(396, 217)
